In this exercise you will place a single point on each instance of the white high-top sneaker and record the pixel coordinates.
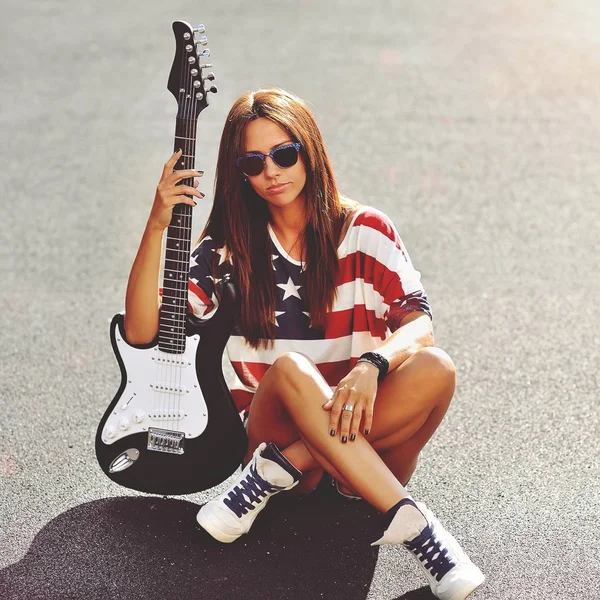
(231, 514)
(451, 574)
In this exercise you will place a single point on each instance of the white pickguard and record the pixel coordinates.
(162, 391)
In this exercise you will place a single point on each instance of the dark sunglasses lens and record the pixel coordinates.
(286, 157)
(251, 165)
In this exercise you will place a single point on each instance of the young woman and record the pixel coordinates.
(338, 375)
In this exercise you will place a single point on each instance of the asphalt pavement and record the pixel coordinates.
(473, 125)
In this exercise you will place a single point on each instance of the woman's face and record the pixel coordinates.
(279, 186)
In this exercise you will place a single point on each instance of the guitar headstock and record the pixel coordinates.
(187, 81)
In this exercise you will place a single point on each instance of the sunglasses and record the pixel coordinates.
(253, 163)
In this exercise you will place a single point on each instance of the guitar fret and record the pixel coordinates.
(179, 328)
(181, 137)
(173, 342)
(176, 271)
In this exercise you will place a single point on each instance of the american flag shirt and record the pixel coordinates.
(377, 286)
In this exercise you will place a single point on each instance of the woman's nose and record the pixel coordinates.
(271, 167)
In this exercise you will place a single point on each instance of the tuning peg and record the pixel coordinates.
(200, 29)
(202, 41)
(206, 66)
(205, 53)
(210, 77)
(213, 89)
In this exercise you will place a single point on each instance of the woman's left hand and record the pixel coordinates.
(358, 389)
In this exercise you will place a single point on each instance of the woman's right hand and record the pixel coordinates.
(168, 193)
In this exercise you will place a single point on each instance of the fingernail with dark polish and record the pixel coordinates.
(344, 439)
(352, 437)
(367, 431)
(332, 432)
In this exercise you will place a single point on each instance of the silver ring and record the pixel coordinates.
(348, 407)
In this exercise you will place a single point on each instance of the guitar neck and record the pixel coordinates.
(171, 337)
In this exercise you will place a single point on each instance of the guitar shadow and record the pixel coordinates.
(131, 548)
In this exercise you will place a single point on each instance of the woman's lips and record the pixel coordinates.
(277, 189)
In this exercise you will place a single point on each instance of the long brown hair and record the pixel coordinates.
(239, 216)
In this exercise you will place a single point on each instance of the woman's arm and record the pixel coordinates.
(141, 301)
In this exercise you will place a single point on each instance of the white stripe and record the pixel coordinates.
(320, 351)
(198, 307)
(359, 292)
(374, 243)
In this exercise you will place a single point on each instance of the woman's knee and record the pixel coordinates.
(295, 371)
(290, 364)
(437, 368)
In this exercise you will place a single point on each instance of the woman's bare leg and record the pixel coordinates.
(411, 403)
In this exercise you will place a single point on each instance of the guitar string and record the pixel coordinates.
(181, 254)
(169, 368)
(185, 212)
(182, 262)
(186, 221)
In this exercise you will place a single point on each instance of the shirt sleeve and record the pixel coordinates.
(396, 283)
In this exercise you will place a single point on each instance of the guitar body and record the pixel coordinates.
(172, 428)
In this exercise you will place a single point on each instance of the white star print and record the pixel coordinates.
(222, 252)
(277, 313)
(308, 315)
(273, 257)
(289, 288)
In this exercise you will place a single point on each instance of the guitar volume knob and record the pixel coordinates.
(138, 416)
(124, 424)
(110, 432)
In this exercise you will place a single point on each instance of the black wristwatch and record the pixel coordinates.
(378, 360)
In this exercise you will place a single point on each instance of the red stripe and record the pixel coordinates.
(359, 265)
(341, 323)
(378, 222)
(198, 291)
(333, 372)
(242, 399)
(250, 373)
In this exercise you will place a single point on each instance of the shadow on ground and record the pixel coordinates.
(150, 547)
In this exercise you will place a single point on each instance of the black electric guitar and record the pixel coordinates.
(173, 427)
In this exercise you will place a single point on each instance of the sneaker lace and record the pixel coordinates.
(428, 549)
(252, 488)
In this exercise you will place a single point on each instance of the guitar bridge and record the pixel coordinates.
(163, 440)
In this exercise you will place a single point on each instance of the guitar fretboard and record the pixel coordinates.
(171, 330)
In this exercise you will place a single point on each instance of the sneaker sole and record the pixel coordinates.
(469, 587)
(214, 531)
